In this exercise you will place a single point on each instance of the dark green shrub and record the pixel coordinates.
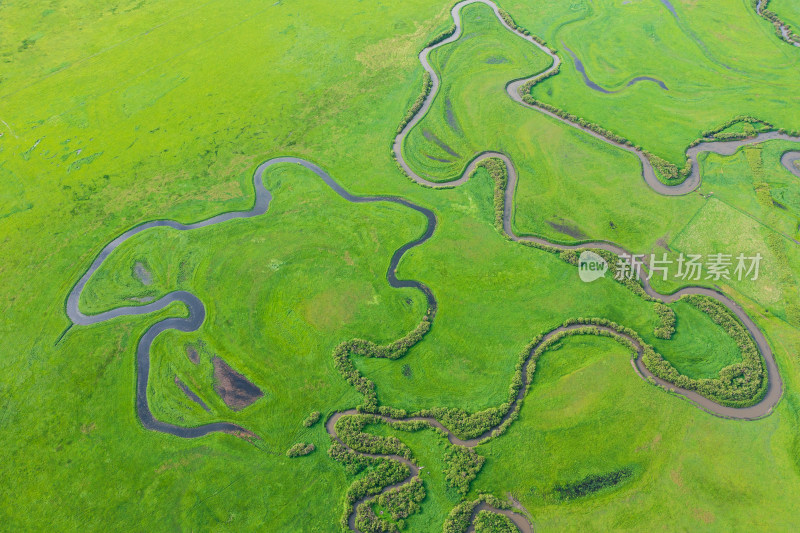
(300, 449)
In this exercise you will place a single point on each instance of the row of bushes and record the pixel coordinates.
(467, 425)
(458, 521)
(777, 23)
(417, 105)
(519, 29)
(499, 173)
(446, 34)
(665, 169)
(719, 134)
(572, 256)
(462, 465)
(738, 385)
(300, 449)
(530, 100)
(342, 362)
(525, 88)
(666, 321)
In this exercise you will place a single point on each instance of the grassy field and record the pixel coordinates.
(717, 58)
(588, 415)
(156, 112)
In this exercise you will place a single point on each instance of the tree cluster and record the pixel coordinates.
(384, 473)
(312, 419)
(369, 522)
(591, 483)
(300, 449)
(489, 522)
(666, 321)
(462, 465)
(458, 521)
(350, 431)
(353, 462)
(403, 501)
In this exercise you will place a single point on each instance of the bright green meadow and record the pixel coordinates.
(116, 113)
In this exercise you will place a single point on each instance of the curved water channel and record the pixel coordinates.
(579, 66)
(263, 197)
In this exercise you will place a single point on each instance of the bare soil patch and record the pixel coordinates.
(142, 274)
(235, 390)
(192, 354)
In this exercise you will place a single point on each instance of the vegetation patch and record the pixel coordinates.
(300, 449)
(591, 484)
(312, 419)
(489, 522)
(462, 466)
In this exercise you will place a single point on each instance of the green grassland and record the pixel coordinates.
(589, 415)
(718, 59)
(163, 110)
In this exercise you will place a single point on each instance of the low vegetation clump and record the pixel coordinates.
(403, 501)
(499, 174)
(666, 321)
(300, 449)
(458, 521)
(462, 465)
(489, 522)
(591, 484)
(312, 419)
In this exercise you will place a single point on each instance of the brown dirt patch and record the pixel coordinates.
(192, 354)
(567, 228)
(675, 475)
(650, 445)
(706, 517)
(88, 428)
(235, 390)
